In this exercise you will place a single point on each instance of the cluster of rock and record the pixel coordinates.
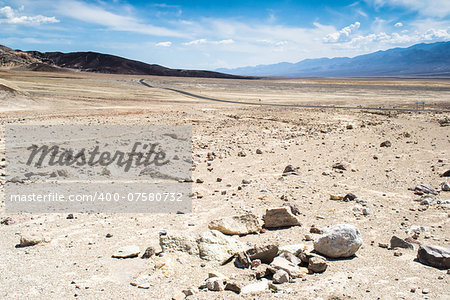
(271, 264)
(431, 255)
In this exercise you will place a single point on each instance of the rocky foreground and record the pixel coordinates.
(288, 203)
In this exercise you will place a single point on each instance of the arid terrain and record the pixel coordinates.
(240, 152)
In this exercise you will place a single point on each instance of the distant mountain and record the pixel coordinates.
(93, 62)
(418, 60)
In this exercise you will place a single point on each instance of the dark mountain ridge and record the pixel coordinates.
(94, 62)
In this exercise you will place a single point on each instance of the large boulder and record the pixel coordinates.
(342, 240)
(242, 224)
(215, 246)
(280, 217)
(435, 256)
(211, 245)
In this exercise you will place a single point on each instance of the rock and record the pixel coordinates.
(179, 296)
(280, 217)
(211, 245)
(383, 245)
(295, 249)
(8, 221)
(446, 174)
(241, 225)
(366, 211)
(233, 286)
(199, 180)
(435, 256)
(290, 170)
(445, 186)
(424, 189)
(349, 126)
(217, 274)
(307, 255)
(295, 210)
(215, 246)
(336, 197)
(255, 263)
(242, 154)
(27, 240)
(148, 253)
(386, 144)
(416, 229)
(190, 292)
(308, 237)
(261, 271)
(316, 230)
(242, 260)
(280, 263)
(349, 197)
(69, 217)
(127, 252)
(215, 284)
(256, 287)
(291, 258)
(317, 264)
(281, 276)
(259, 151)
(342, 240)
(343, 165)
(264, 253)
(176, 241)
(428, 201)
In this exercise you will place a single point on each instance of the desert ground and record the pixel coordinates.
(75, 260)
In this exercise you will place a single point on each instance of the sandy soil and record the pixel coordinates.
(77, 263)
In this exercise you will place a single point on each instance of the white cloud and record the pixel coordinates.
(164, 44)
(343, 35)
(196, 42)
(11, 16)
(384, 40)
(205, 41)
(432, 8)
(398, 24)
(97, 15)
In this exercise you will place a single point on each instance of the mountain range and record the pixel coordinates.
(429, 60)
(421, 60)
(93, 62)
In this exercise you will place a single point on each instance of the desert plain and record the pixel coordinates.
(240, 151)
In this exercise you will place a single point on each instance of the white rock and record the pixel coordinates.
(280, 276)
(280, 263)
(280, 217)
(295, 249)
(242, 224)
(215, 246)
(342, 240)
(215, 284)
(257, 287)
(416, 229)
(211, 245)
(127, 251)
(30, 239)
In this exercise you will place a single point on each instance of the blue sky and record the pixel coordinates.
(215, 34)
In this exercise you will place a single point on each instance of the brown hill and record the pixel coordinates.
(93, 62)
(111, 64)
